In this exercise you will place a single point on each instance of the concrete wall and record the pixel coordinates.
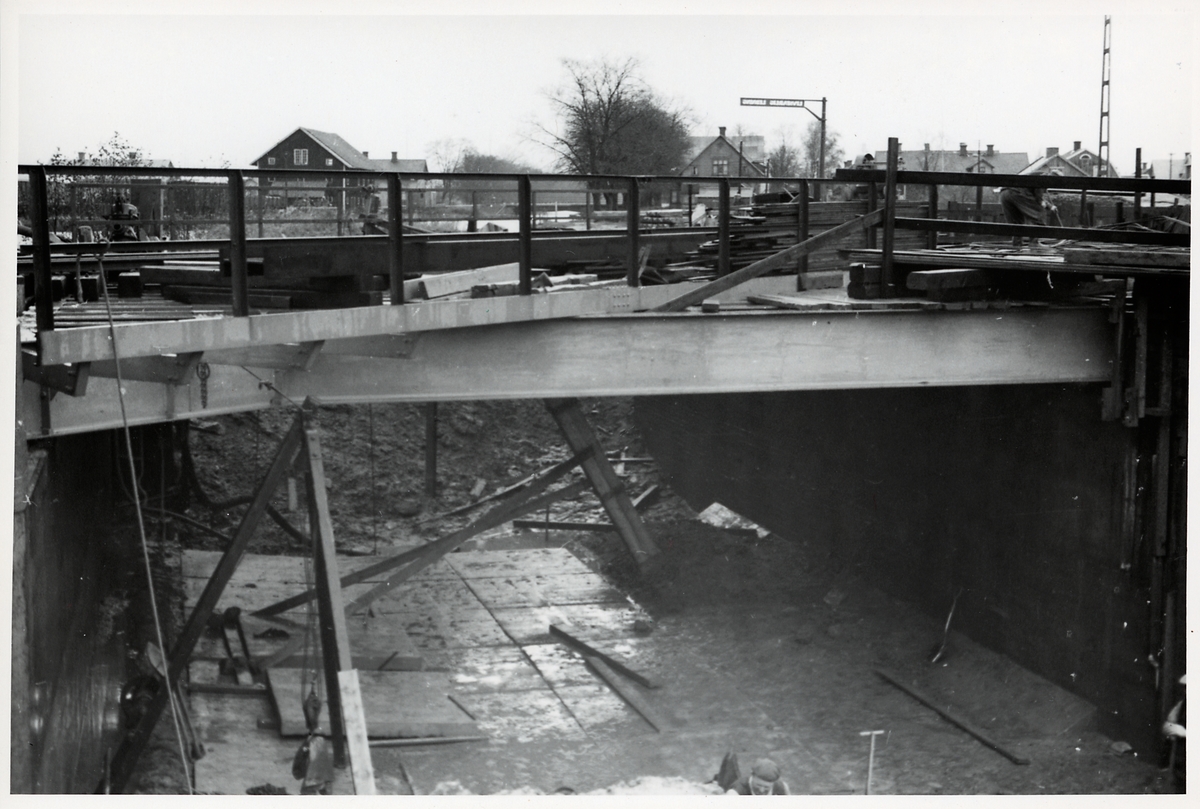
(1014, 493)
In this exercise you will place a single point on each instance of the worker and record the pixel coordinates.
(1025, 206)
(123, 211)
(374, 223)
(1175, 730)
(764, 778)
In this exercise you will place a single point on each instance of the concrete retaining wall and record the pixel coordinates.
(1013, 493)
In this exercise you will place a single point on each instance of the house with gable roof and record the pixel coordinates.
(315, 150)
(1078, 162)
(979, 161)
(722, 157)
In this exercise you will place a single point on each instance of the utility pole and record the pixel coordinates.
(1105, 69)
(796, 103)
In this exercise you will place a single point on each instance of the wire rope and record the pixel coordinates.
(112, 330)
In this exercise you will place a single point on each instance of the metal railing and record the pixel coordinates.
(890, 176)
(590, 186)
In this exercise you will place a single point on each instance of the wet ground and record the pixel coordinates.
(761, 650)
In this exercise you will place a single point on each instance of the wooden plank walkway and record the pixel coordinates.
(478, 621)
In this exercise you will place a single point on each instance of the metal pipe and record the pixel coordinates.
(802, 234)
(633, 214)
(887, 269)
(237, 244)
(525, 237)
(395, 241)
(723, 261)
(43, 278)
(933, 214)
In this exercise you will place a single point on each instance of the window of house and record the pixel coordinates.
(720, 168)
(300, 157)
(329, 161)
(270, 161)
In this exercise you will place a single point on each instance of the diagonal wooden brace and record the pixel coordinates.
(609, 488)
(489, 520)
(135, 741)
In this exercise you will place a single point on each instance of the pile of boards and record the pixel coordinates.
(764, 229)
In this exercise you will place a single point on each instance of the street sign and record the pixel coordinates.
(773, 102)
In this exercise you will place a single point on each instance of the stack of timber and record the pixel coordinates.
(982, 272)
(209, 283)
(767, 228)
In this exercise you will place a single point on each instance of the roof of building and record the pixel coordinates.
(751, 167)
(352, 158)
(1069, 160)
(954, 160)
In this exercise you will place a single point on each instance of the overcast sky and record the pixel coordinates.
(200, 87)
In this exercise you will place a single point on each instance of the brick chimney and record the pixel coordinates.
(722, 130)
(962, 150)
(1078, 143)
(1051, 151)
(365, 153)
(927, 147)
(991, 151)
(82, 157)
(393, 157)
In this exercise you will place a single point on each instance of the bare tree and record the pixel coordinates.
(812, 150)
(610, 122)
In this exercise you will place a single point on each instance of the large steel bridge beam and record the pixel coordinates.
(642, 354)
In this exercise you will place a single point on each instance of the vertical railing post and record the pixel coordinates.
(587, 208)
(1083, 214)
(979, 203)
(723, 229)
(395, 241)
(933, 214)
(1137, 197)
(886, 271)
(802, 224)
(525, 239)
(237, 244)
(872, 204)
(43, 278)
(632, 217)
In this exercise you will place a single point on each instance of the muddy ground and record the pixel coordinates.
(765, 639)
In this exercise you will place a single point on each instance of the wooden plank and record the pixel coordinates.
(538, 591)
(951, 278)
(563, 525)
(521, 503)
(335, 640)
(361, 770)
(952, 718)
(1178, 257)
(626, 691)
(396, 704)
(776, 261)
(592, 652)
(525, 562)
(590, 622)
(441, 284)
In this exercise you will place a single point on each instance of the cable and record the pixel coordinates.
(112, 330)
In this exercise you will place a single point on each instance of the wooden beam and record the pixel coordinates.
(591, 651)
(780, 259)
(563, 525)
(609, 488)
(952, 718)
(361, 769)
(625, 691)
(335, 637)
(434, 551)
(490, 520)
